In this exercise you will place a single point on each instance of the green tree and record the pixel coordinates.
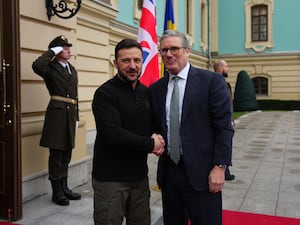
(244, 94)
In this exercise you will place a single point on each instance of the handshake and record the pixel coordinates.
(159, 144)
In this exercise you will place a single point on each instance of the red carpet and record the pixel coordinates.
(242, 218)
(8, 223)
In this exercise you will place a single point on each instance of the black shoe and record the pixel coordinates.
(67, 192)
(60, 199)
(72, 195)
(230, 177)
(58, 196)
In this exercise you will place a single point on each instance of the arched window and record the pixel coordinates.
(260, 85)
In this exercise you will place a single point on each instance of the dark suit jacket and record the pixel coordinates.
(60, 117)
(206, 131)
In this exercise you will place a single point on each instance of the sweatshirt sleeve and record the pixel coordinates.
(109, 126)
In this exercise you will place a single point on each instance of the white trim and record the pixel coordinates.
(259, 46)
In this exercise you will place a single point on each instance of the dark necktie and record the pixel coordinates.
(174, 123)
(68, 69)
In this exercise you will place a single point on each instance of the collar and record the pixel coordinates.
(183, 74)
(63, 64)
(125, 83)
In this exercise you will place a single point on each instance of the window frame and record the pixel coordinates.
(137, 11)
(257, 21)
(261, 78)
(203, 24)
(190, 19)
(259, 46)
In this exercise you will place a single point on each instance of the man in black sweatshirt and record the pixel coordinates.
(123, 120)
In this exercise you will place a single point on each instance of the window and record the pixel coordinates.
(138, 6)
(189, 20)
(260, 85)
(189, 17)
(259, 24)
(259, 28)
(204, 33)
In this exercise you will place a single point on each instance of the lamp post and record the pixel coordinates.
(61, 9)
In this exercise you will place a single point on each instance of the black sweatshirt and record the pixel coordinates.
(123, 122)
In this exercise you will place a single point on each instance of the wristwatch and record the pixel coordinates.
(222, 166)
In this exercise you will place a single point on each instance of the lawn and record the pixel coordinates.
(238, 114)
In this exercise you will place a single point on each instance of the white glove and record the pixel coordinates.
(57, 49)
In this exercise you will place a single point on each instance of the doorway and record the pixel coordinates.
(10, 116)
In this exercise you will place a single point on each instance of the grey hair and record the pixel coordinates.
(175, 33)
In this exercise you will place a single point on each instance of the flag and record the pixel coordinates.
(168, 25)
(169, 16)
(147, 37)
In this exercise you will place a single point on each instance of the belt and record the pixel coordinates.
(63, 99)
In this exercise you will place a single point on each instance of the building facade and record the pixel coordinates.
(258, 36)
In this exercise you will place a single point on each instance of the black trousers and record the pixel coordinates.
(227, 172)
(59, 163)
(182, 202)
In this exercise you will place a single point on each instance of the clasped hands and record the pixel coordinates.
(159, 144)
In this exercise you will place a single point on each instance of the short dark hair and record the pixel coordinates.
(127, 43)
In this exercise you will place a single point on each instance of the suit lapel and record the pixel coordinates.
(160, 99)
(73, 76)
(63, 69)
(163, 96)
(191, 87)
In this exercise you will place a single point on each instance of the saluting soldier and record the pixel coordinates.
(62, 115)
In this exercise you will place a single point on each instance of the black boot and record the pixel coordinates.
(58, 196)
(68, 193)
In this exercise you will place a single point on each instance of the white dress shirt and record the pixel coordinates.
(182, 75)
(66, 65)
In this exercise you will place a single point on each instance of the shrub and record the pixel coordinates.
(244, 94)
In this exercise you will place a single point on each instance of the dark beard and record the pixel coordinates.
(125, 78)
(225, 74)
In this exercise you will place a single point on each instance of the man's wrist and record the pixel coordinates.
(222, 166)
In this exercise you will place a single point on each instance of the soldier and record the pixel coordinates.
(62, 116)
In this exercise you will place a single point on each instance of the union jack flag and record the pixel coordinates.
(147, 37)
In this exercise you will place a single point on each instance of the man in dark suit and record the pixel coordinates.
(221, 66)
(191, 170)
(61, 117)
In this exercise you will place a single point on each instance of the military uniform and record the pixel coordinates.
(62, 111)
